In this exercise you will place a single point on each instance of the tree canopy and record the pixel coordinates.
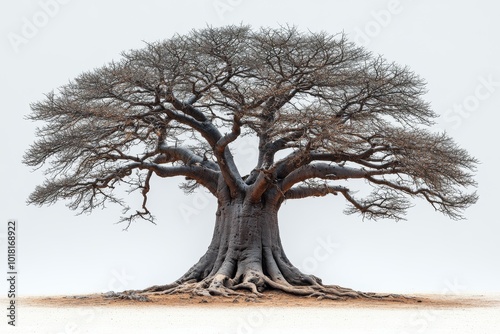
(322, 110)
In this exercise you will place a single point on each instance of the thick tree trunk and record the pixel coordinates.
(246, 249)
(246, 253)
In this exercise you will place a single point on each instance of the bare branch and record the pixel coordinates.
(300, 192)
(265, 178)
(327, 172)
(227, 167)
(382, 203)
(173, 154)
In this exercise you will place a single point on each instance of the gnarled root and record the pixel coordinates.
(254, 283)
(217, 285)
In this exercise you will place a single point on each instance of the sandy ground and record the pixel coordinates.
(278, 313)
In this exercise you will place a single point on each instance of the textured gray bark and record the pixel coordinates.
(245, 245)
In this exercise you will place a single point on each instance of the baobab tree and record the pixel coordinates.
(322, 111)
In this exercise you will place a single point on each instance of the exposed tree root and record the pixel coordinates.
(221, 285)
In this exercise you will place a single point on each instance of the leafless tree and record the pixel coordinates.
(322, 110)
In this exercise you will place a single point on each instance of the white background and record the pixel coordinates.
(452, 44)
